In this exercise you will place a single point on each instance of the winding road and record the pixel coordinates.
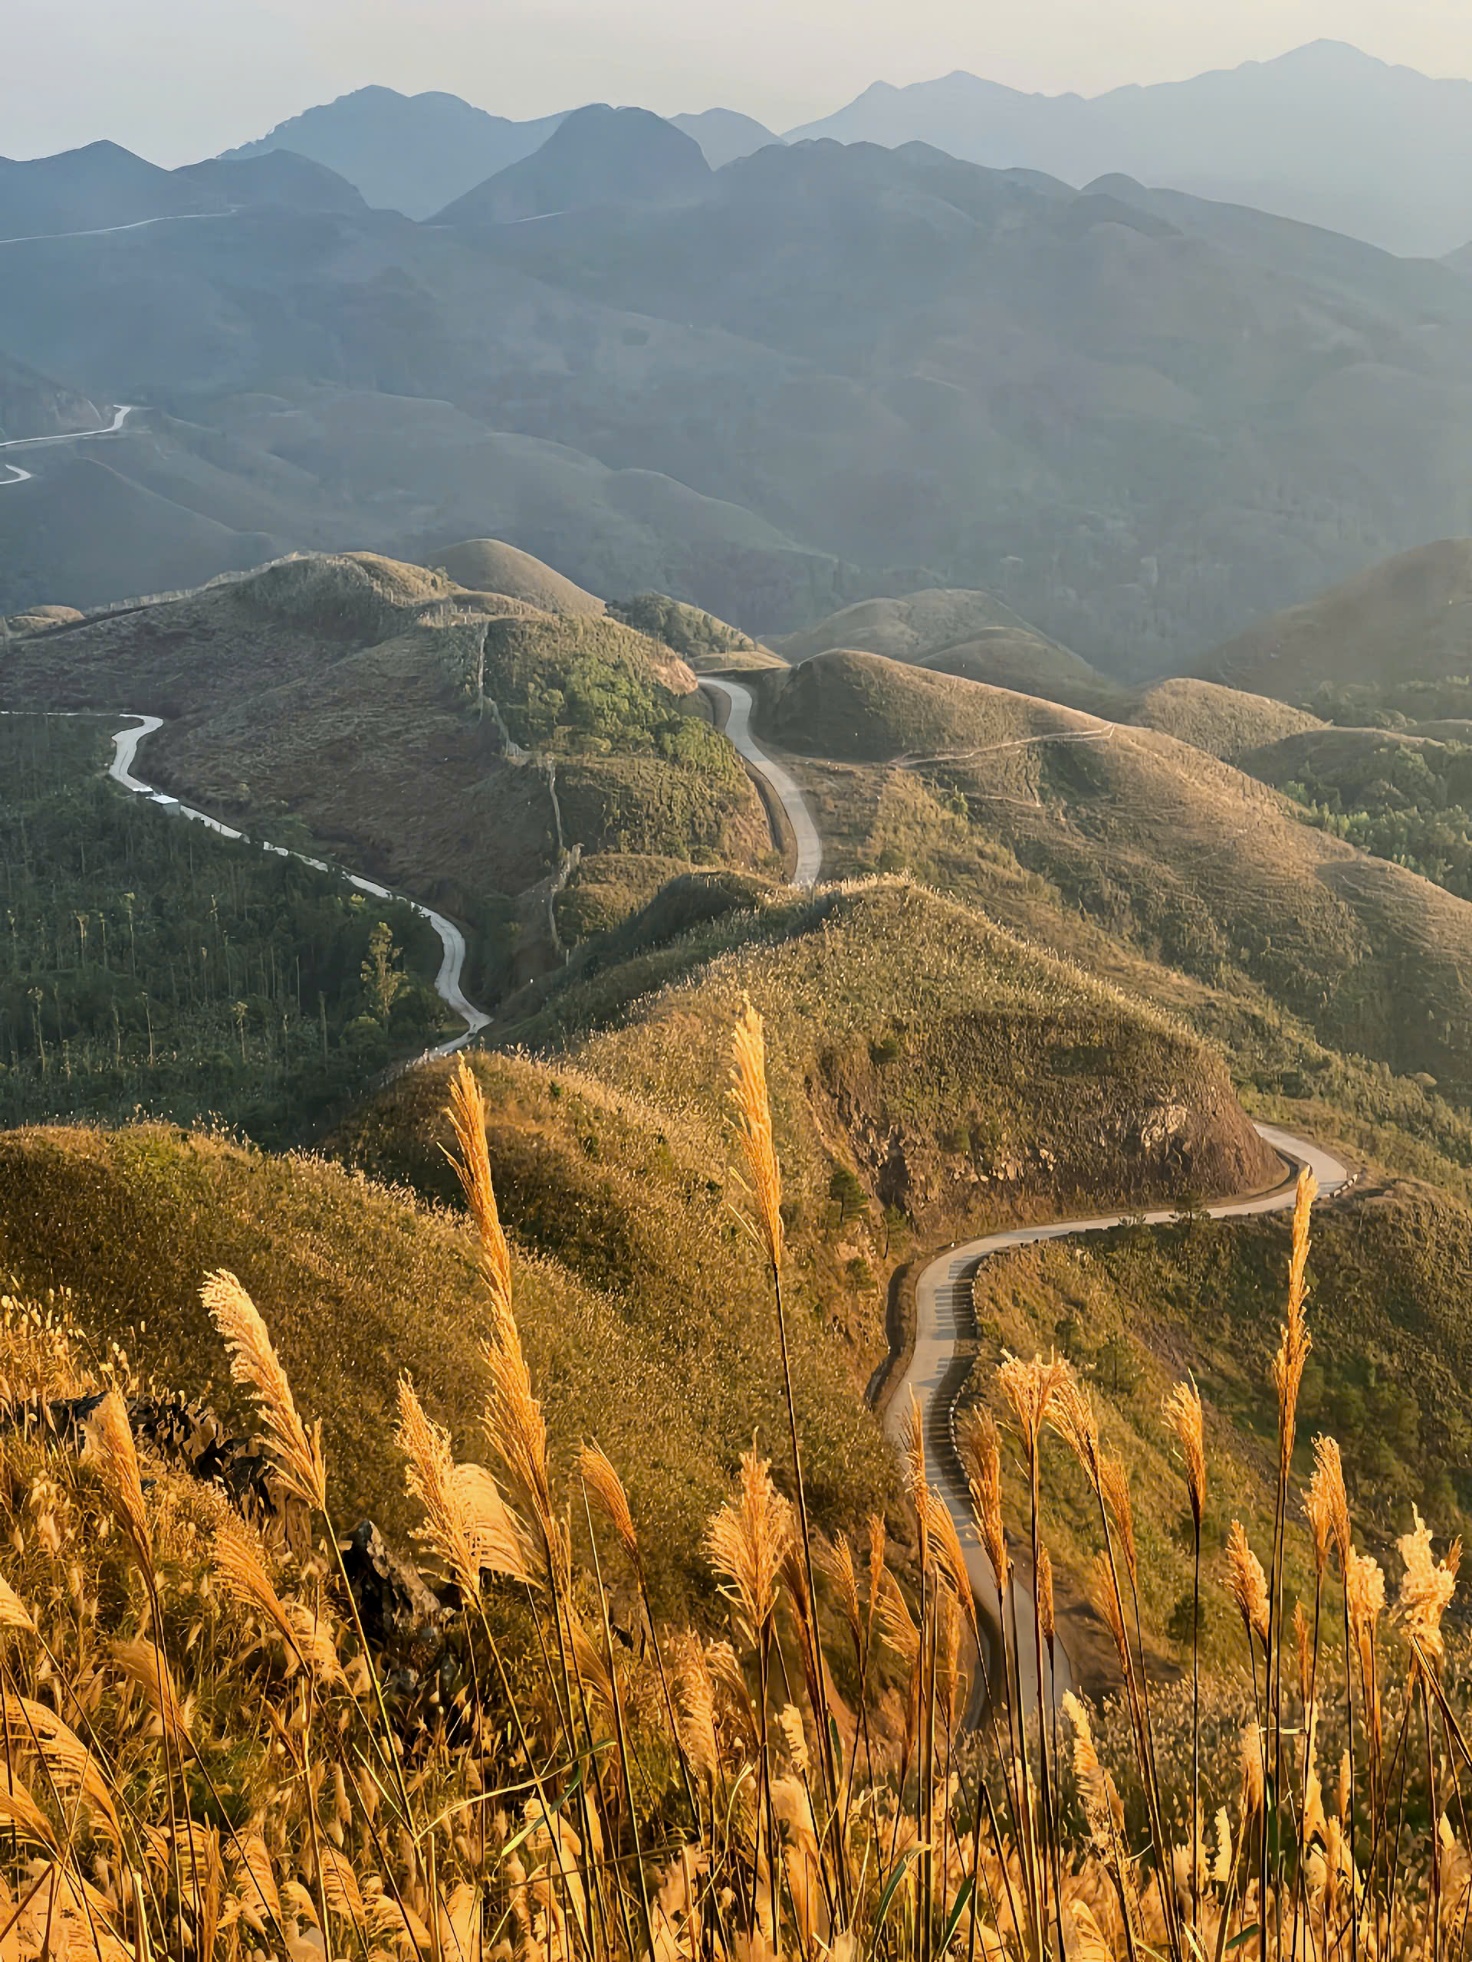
(449, 983)
(18, 476)
(940, 1360)
(779, 781)
(945, 1326)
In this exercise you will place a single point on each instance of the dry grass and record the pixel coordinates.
(1149, 858)
(241, 1782)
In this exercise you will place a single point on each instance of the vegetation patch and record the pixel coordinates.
(150, 966)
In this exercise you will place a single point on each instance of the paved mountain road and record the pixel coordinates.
(19, 476)
(449, 983)
(779, 781)
(944, 1322)
(939, 1364)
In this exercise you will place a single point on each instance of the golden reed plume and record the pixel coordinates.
(1247, 1583)
(472, 1163)
(1183, 1415)
(606, 1490)
(748, 1539)
(116, 1459)
(1295, 1341)
(980, 1447)
(754, 1122)
(1327, 1504)
(467, 1523)
(296, 1452)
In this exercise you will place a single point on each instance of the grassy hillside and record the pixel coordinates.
(956, 1071)
(1225, 722)
(698, 637)
(359, 1283)
(972, 634)
(862, 708)
(460, 744)
(1388, 1374)
(1046, 815)
(82, 534)
(151, 968)
(1407, 621)
(486, 565)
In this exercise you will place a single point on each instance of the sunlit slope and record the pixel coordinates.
(1163, 846)
(410, 722)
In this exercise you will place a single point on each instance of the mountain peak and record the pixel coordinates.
(597, 155)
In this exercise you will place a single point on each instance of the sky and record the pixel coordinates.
(180, 79)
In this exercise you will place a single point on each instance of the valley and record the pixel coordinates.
(736, 1029)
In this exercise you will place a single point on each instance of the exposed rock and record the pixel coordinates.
(398, 1609)
(183, 1433)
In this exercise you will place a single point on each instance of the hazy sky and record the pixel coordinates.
(178, 79)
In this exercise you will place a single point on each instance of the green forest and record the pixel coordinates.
(1409, 801)
(152, 968)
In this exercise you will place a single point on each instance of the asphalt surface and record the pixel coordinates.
(779, 781)
(939, 1364)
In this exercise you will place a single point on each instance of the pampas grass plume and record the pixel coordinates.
(296, 1452)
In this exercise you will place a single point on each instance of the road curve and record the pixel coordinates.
(449, 983)
(778, 781)
(937, 1369)
(18, 476)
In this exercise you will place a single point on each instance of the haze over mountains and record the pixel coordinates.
(772, 386)
(1324, 134)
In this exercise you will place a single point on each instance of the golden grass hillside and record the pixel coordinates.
(213, 1743)
(1406, 620)
(1225, 722)
(960, 1073)
(487, 565)
(1039, 811)
(1388, 1374)
(411, 723)
(361, 1283)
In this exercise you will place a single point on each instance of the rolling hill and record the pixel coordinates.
(84, 533)
(839, 371)
(1076, 370)
(464, 746)
(1041, 813)
(485, 565)
(724, 134)
(99, 185)
(104, 188)
(33, 405)
(1225, 722)
(970, 634)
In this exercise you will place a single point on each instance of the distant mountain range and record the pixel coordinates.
(819, 374)
(105, 188)
(417, 154)
(1326, 135)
